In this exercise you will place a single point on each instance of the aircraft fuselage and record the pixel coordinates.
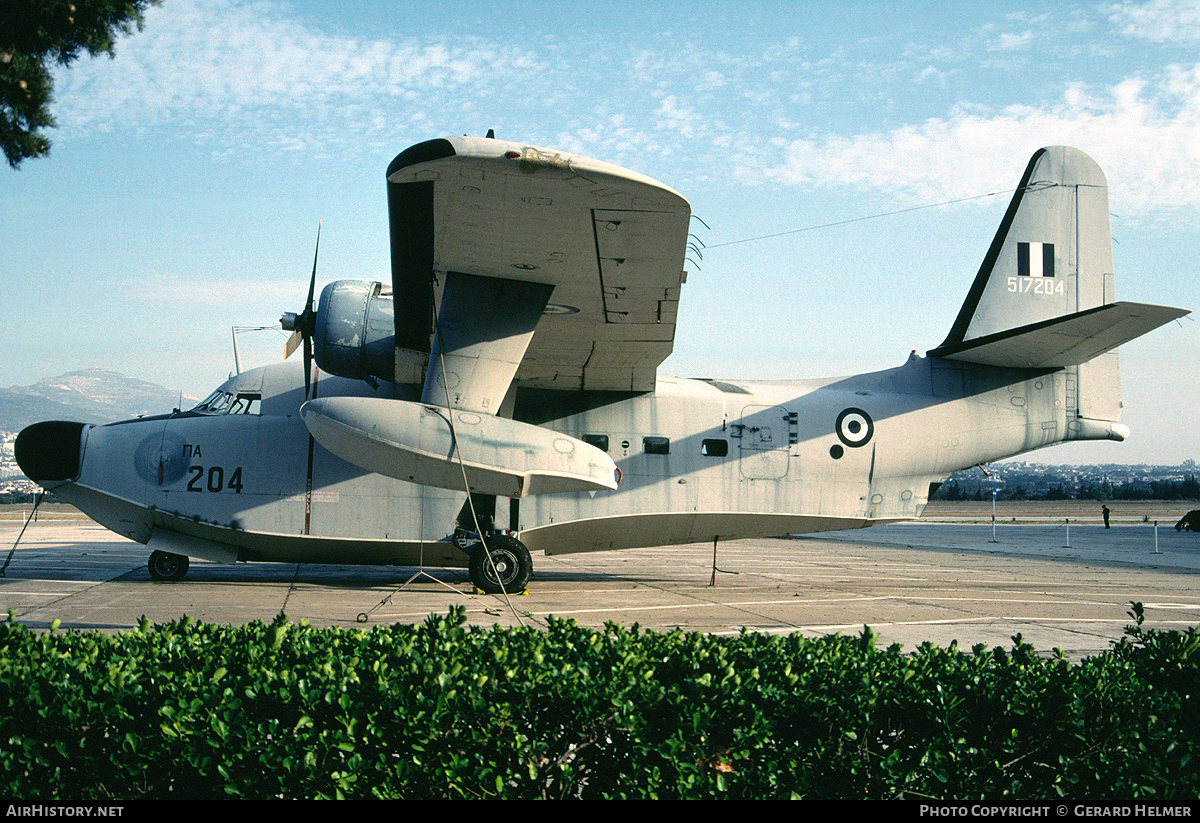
(540, 295)
(699, 460)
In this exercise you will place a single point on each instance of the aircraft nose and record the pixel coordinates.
(50, 450)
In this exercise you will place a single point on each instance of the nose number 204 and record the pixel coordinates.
(214, 479)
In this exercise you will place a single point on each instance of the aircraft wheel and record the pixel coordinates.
(167, 566)
(510, 567)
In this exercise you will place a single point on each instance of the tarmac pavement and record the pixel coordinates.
(910, 582)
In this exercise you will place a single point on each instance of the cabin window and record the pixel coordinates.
(600, 441)
(718, 447)
(656, 445)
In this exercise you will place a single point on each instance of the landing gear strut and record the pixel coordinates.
(505, 565)
(167, 566)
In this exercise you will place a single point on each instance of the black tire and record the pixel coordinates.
(510, 567)
(166, 566)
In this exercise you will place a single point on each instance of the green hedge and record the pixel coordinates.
(441, 709)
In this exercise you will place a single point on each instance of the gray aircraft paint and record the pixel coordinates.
(1029, 362)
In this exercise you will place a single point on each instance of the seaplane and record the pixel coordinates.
(502, 396)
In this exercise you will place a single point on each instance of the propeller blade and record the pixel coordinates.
(292, 343)
(311, 317)
(307, 365)
(303, 325)
(312, 283)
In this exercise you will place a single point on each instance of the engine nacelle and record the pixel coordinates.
(355, 331)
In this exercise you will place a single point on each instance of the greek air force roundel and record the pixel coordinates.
(854, 428)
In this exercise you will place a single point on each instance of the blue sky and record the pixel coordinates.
(189, 174)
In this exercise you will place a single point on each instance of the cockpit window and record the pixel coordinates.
(246, 404)
(208, 402)
(223, 402)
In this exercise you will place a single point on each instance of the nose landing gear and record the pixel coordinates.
(165, 566)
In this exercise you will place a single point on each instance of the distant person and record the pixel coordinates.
(1104, 510)
(1189, 522)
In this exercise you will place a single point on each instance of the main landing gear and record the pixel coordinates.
(504, 566)
(165, 566)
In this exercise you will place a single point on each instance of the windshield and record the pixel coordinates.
(223, 402)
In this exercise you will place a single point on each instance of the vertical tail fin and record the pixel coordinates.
(1052, 255)
(1043, 298)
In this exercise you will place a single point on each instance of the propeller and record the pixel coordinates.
(303, 325)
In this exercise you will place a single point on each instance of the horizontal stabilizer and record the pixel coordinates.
(415, 442)
(1063, 341)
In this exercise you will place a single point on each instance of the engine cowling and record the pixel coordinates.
(355, 332)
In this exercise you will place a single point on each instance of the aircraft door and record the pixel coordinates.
(764, 434)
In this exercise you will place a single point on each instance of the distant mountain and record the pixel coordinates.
(88, 396)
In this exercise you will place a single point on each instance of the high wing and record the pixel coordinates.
(510, 262)
(494, 241)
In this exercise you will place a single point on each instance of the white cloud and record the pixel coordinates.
(1012, 42)
(244, 79)
(224, 68)
(1161, 21)
(1144, 132)
(677, 118)
(931, 74)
